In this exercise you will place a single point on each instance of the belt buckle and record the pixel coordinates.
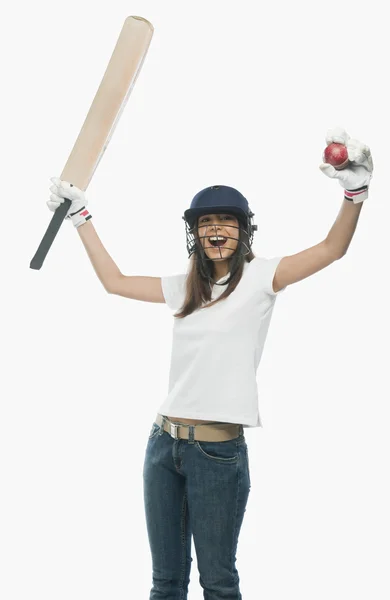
(173, 432)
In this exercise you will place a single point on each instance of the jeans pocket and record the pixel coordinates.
(225, 452)
(154, 431)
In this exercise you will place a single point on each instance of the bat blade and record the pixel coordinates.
(106, 109)
(110, 100)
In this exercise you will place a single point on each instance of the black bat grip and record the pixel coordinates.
(50, 234)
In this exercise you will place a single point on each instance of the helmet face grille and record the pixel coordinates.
(194, 242)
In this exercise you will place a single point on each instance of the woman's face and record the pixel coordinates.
(223, 225)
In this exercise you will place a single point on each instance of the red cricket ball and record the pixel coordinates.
(336, 155)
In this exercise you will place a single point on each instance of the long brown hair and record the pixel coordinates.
(198, 288)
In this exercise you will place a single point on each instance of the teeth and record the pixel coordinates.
(215, 238)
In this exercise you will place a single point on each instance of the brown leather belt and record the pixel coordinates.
(208, 432)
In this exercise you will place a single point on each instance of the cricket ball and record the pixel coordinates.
(336, 155)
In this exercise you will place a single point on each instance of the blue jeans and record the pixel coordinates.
(197, 489)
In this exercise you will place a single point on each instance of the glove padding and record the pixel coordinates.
(356, 177)
(60, 190)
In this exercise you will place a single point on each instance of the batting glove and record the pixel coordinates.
(77, 212)
(356, 177)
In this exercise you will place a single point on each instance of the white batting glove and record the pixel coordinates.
(77, 212)
(356, 177)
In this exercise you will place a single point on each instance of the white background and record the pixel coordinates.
(235, 93)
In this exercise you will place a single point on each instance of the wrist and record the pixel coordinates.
(356, 196)
(80, 217)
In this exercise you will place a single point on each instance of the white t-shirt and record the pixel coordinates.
(216, 351)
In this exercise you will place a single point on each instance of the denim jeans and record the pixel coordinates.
(197, 489)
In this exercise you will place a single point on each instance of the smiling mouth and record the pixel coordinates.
(218, 244)
(216, 241)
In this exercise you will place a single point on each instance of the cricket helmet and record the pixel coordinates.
(218, 199)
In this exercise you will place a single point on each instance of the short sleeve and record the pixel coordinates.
(173, 287)
(266, 268)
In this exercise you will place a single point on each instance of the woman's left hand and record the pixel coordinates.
(356, 176)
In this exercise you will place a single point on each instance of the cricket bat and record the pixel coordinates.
(111, 97)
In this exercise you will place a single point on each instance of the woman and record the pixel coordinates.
(196, 472)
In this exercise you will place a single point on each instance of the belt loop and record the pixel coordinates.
(191, 432)
(241, 430)
(162, 425)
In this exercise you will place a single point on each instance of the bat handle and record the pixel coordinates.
(50, 234)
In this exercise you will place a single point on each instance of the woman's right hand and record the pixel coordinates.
(60, 190)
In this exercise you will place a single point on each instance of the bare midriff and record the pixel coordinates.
(189, 421)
